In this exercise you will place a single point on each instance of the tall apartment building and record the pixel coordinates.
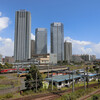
(67, 51)
(85, 57)
(32, 47)
(41, 41)
(1, 59)
(57, 40)
(22, 43)
(92, 57)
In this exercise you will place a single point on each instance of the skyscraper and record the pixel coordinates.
(57, 40)
(67, 51)
(32, 47)
(22, 43)
(41, 41)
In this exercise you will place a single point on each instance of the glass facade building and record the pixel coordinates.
(57, 40)
(41, 41)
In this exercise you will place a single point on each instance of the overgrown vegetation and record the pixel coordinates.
(2, 77)
(6, 96)
(77, 94)
(95, 97)
(6, 66)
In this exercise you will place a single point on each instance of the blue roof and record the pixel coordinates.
(61, 78)
(92, 74)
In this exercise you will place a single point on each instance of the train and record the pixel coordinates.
(13, 70)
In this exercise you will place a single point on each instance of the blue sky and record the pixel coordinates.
(81, 19)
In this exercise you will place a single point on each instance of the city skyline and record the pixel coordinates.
(81, 21)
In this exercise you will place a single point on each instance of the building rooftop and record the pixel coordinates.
(61, 78)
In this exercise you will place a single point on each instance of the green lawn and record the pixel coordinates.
(4, 86)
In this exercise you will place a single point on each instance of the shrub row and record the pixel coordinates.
(75, 95)
(6, 96)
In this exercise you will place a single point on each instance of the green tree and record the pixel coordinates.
(91, 70)
(8, 65)
(77, 72)
(30, 81)
(1, 66)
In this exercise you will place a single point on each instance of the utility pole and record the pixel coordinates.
(36, 81)
(73, 82)
(98, 75)
(87, 77)
(48, 70)
(52, 78)
(69, 76)
(84, 80)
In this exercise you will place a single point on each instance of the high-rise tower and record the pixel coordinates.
(41, 41)
(32, 47)
(67, 51)
(57, 40)
(22, 43)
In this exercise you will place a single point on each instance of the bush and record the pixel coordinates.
(54, 88)
(42, 89)
(27, 92)
(77, 94)
(6, 96)
(96, 97)
(9, 95)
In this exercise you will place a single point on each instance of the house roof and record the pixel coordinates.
(61, 78)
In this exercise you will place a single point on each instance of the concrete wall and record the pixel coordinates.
(53, 59)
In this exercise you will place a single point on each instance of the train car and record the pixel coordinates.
(13, 70)
(22, 73)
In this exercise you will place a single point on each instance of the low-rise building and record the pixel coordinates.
(63, 80)
(77, 58)
(8, 59)
(46, 58)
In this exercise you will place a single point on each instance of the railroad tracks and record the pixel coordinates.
(89, 95)
(52, 95)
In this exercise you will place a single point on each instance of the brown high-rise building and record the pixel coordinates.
(32, 47)
(67, 51)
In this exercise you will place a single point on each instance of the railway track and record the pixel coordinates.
(52, 95)
(89, 95)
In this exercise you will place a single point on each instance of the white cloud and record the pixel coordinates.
(32, 36)
(6, 46)
(77, 41)
(0, 13)
(4, 21)
(84, 47)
